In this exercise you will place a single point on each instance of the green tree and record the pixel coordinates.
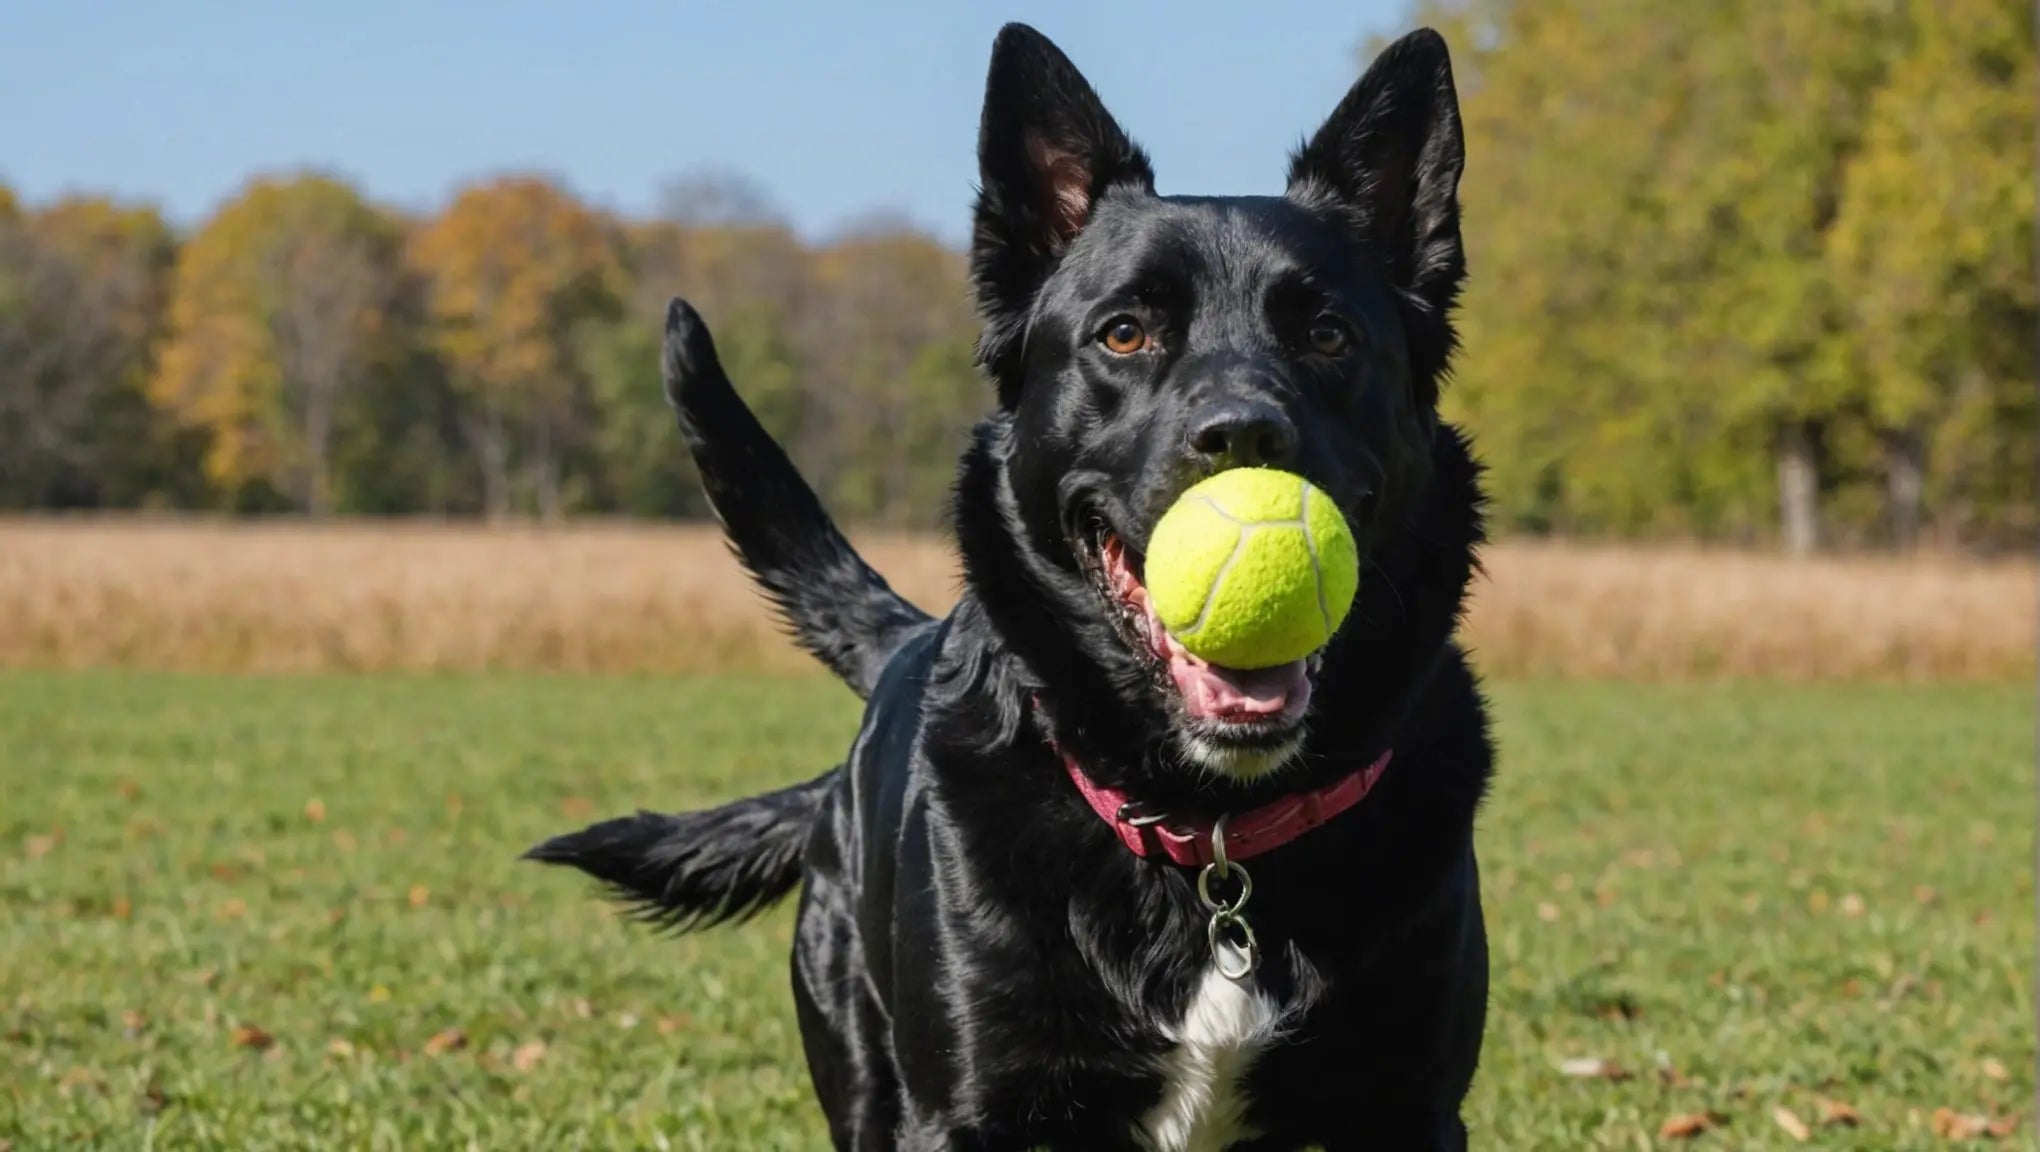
(1933, 252)
(1686, 225)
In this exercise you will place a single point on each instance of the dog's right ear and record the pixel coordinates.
(1047, 153)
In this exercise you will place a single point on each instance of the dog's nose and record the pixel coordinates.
(1245, 435)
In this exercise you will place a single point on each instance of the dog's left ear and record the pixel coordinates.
(1048, 151)
(1390, 157)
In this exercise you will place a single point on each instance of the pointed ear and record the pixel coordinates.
(1047, 153)
(1389, 157)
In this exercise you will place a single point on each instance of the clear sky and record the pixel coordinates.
(836, 110)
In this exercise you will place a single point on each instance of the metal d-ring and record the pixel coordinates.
(1130, 816)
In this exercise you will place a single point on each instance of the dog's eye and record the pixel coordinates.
(1123, 336)
(1329, 336)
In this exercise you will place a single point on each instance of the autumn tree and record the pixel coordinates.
(282, 305)
(82, 286)
(516, 272)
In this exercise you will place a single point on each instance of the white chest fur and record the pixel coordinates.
(1203, 1107)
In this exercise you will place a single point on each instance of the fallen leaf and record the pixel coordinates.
(1689, 1125)
(1852, 905)
(393, 836)
(315, 811)
(233, 909)
(128, 789)
(671, 1024)
(1818, 900)
(1789, 1120)
(453, 805)
(37, 847)
(420, 895)
(626, 1020)
(76, 1077)
(249, 1036)
(582, 1008)
(1593, 1068)
(341, 1048)
(1547, 912)
(123, 908)
(1923, 894)
(577, 806)
(1949, 1124)
(1993, 1069)
(378, 995)
(2004, 1126)
(527, 1055)
(448, 1040)
(344, 840)
(1835, 1114)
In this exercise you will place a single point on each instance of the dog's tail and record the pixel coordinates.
(698, 869)
(837, 607)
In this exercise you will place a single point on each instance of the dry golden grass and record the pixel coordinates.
(287, 597)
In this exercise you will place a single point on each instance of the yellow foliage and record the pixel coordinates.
(512, 265)
(275, 308)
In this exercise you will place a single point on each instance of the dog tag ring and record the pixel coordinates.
(1234, 950)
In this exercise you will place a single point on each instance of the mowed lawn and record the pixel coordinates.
(245, 913)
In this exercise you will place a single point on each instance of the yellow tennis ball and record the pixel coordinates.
(1252, 568)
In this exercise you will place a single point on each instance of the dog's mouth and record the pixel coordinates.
(1244, 708)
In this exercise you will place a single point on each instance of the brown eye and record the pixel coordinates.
(1329, 336)
(1123, 336)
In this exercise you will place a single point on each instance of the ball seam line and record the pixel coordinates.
(1317, 572)
(1218, 581)
(1220, 509)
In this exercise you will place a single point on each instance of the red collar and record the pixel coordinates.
(1247, 834)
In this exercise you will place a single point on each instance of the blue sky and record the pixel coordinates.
(836, 110)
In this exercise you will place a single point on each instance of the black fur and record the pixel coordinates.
(980, 964)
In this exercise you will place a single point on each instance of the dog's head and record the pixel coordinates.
(1141, 342)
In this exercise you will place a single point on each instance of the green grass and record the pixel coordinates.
(1747, 897)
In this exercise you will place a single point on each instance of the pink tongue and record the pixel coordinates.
(1219, 693)
(1211, 691)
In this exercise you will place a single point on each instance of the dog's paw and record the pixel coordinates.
(690, 359)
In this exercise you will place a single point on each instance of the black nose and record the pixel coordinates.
(1245, 435)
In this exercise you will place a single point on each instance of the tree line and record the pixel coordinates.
(307, 349)
(1739, 270)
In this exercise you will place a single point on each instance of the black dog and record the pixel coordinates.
(1005, 938)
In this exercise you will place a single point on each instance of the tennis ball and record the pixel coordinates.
(1252, 568)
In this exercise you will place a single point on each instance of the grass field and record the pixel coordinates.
(286, 913)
